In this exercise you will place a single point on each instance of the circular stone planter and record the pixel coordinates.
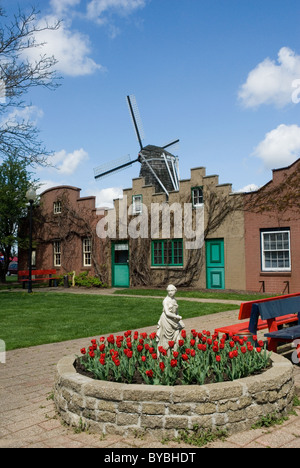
(114, 408)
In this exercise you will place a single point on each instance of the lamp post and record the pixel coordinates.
(31, 197)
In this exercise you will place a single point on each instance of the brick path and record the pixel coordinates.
(28, 417)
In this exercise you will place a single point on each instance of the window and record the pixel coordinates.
(57, 207)
(197, 196)
(137, 204)
(87, 252)
(121, 253)
(167, 253)
(33, 258)
(57, 253)
(276, 254)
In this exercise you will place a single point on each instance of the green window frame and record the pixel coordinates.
(197, 196)
(167, 252)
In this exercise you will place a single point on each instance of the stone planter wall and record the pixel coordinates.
(112, 408)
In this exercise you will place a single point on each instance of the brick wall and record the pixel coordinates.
(77, 220)
(274, 282)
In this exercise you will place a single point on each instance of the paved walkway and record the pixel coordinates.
(28, 417)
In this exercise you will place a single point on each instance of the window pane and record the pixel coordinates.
(178, 253)
(268, 260)
(57, 207)
(57, 253)
(157, 253)
(137, 204)
(276, 251)
(87, 249)
(167, 252)
(197, 196)
(266, 241)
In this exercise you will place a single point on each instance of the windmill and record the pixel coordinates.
(158, 166)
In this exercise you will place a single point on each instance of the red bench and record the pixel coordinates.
(247, 309)
(38, 275)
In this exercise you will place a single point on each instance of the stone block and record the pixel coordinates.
(205, 408)
(190, 394)
(129, 407)
(124, 419)
(152, 422)
(181, 409)
(153, 408)
(172, 422)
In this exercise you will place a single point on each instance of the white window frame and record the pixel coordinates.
(277, 249)
(57, 253)
(87, 252)
(137, 204)
(196, 196)
(57, 207)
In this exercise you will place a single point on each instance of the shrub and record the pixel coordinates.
(198, 359)
(86, 281)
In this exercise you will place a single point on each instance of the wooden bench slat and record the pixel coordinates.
(43, 275)
(262, 325)
(285, 334)
(37, 272)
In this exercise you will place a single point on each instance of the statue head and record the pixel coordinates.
(171, 290)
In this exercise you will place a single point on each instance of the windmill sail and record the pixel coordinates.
(114, 166)
(136, 119)
(172, 143)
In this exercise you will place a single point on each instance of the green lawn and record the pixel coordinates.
(40, 318)
(11, 283)
(195, 294)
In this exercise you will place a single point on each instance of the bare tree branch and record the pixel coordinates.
(18, 76)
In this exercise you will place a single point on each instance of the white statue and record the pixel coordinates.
(170, 323)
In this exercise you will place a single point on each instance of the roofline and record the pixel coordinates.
(287, 167)
(60, 187)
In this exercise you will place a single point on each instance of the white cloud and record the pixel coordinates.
(98, 10)
(280, 147)
(45, 185)
(248, 188)
(67, 163)
(28, 114)
(70, 48)
(105, 197)
(271, 82)
(61, 6)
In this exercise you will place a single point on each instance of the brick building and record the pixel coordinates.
(166, 251)
(249, 241)
(64, 233)
(272, 234)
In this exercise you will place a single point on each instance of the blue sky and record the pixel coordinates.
(223, 76)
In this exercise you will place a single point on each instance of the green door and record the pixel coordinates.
(215, 265)
(120, 265)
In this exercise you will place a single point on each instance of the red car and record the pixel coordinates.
(13, 268)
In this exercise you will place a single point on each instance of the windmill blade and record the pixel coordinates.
(175, 185)
(172, 143)
(136, 119)
(114, 166)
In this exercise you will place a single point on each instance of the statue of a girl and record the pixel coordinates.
(170, 323)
